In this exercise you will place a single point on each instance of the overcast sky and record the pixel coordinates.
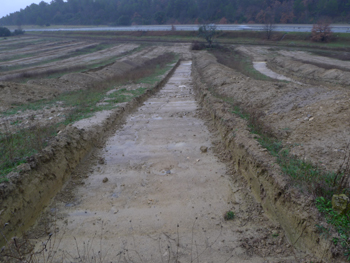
(10, 6)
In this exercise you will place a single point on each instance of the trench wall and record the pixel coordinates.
(35, 183)
(296, 214)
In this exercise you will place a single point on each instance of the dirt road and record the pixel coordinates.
(152, 195)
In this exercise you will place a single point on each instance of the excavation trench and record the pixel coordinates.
(152, 194)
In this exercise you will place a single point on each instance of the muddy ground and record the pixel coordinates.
(158, 191)
(150, 194)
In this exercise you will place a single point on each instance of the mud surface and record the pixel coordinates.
(151, 194)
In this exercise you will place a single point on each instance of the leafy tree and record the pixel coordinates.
(159, 17)
(208, 32)
(4, 32)
(321, 32)
(124, 21)
(18, 32)
(110, 11)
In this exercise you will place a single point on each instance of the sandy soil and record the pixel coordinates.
(151, 195)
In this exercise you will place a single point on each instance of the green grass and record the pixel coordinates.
(341, 223)
(16, 148)
(229, 215)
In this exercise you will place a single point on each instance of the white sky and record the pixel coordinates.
(10, 6)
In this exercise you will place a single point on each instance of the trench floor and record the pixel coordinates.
(151, 195)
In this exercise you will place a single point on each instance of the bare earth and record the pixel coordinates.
(150, 194)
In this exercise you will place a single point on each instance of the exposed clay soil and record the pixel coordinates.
(311, 119)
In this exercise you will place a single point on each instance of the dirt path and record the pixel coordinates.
(151, 195)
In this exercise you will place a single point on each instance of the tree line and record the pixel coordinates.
(143, 12)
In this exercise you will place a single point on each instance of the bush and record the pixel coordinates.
(208, 32)
(196, 45)
(18, 32)
(4, 32)
(321, 32)
(124, 21)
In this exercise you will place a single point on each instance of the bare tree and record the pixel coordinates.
(321, 32)
(269, 27)
(267, 18)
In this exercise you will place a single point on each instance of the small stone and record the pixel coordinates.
(105, 180)
(340, 203)
(204, 149)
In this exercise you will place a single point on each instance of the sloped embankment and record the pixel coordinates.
(296, 213)
(31, 188)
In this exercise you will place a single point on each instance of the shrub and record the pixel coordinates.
(208, 32)
(4, 32)
(321, 32)
(196, 45)
(18, 32)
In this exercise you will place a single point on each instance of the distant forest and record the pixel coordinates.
(143, 12)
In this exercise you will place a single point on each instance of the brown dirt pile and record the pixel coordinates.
(312, 121)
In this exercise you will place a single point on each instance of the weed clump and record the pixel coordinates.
(229, 215)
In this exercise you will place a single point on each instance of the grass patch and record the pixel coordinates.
(229, 215)
(16, 148)
(341, 223)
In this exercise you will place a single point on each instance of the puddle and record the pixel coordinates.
(262, 68)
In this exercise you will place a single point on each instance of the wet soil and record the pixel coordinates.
(157, 191)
